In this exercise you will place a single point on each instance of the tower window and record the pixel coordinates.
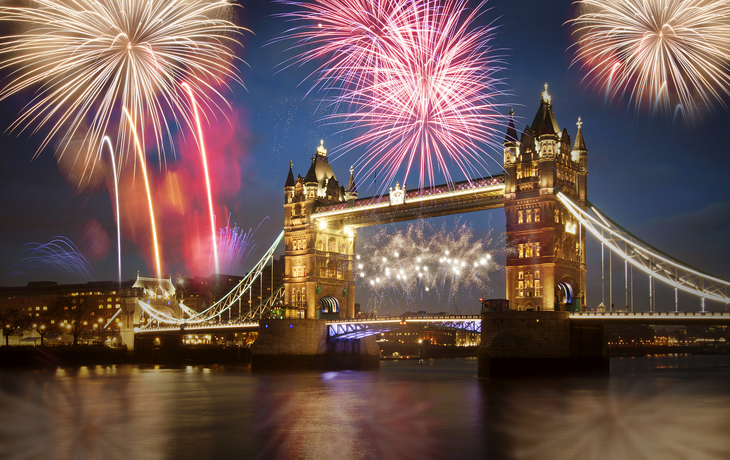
(519, 217)
(537, 214)
(529, 216)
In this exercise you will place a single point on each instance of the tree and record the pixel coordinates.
(12, 322)
(45, 326)
(73, 315)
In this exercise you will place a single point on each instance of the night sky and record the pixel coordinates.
(661, 179)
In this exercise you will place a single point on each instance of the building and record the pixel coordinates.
(319, 261)
(36, 297)
(545, 245)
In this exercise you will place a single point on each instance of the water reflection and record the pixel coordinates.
(665, 407)
(72, 414)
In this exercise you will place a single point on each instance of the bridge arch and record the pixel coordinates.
(566, 294)
(328, 307)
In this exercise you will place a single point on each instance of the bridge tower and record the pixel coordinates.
(318, 273)
(545, 245)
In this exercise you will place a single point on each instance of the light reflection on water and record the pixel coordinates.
(651, 407)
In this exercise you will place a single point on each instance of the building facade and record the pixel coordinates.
(318, 258)
(545, 244)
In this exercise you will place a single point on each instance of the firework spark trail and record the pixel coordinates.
(420, 78)
(87, 58)
(147, 188)
(422, 262)
(108, 142)
(235, 247)
(60, 256)
(201, 144)
(670, 54)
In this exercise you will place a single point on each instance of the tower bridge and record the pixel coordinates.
(544, 195)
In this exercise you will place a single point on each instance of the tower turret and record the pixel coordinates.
(580, 155)
(510, 140)
(289, 185)
(351, 192)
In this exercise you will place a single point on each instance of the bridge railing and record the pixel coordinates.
(651, 314)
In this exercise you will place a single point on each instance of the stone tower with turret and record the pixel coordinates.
(318, 259)
(545, 244)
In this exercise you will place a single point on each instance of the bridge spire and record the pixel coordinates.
(511, 138)
(579, 145)
(290, 177)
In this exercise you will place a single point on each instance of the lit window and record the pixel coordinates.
(522, 251)
(529, 216)
(537, 249)
(45, 307)
(519, 217)
(109, 306)
(557, 216)
(520, 275)
(101, 306)
(537, 214)
(520, 291)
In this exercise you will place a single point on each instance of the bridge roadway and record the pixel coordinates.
(359, 328)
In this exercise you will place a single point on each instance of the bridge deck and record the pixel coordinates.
(350, 328)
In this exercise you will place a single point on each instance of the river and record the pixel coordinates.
(658, 407)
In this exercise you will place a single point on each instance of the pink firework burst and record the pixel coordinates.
(417, 80)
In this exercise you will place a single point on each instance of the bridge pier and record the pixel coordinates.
(285, 344)
(540, 343)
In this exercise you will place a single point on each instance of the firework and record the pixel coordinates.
(671, 55)
(418, 79)
(201, 144)
(108, 142)
(235, 247)
(147, 188)
(87, 59)
(424, 264)
(59, 257)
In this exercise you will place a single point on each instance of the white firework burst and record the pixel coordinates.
(669, 55)
(84, 60)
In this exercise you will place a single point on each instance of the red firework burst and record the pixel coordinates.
(416, 80)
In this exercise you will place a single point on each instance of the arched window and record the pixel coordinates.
(529, 216)
(537, 214)
(332, 244)
(557, 216)
(519, 217)
(522, 251)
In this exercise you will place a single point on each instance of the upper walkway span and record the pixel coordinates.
(402, 205)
